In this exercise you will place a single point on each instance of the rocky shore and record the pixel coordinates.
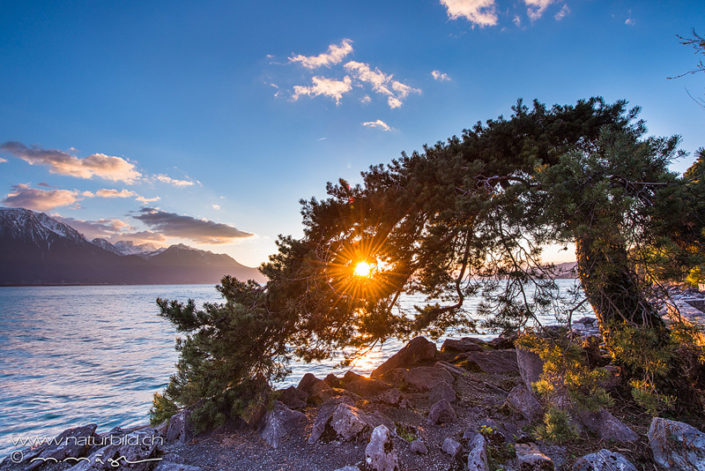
(467, 406)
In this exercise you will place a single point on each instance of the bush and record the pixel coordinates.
(556, 427)
(231, 354)
(567, 373)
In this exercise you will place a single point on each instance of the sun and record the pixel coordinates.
(362, 269)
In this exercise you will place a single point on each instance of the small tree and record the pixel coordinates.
(229, 358)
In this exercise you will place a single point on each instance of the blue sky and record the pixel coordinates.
(230, 112)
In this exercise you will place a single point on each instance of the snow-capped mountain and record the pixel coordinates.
(36, 249)
(18, 223)
(127, 247)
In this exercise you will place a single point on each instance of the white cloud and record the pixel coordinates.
(144, 200)
(477, 12)
(537, 7)
(102, 166)
(102, 228)
(216, 207)
(336, 53)
(365, 99)
(377, 124)
(325, 86)
(2, 161)
(22, 196)
(517, 20)
(173, 181)
(112, 193)
(562, 13)
(381, 83)
(440, 76)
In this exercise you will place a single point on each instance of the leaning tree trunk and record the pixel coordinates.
(611, 285)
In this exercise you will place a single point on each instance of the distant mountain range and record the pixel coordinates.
(36, 249)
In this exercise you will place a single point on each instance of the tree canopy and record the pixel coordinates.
(462, 218)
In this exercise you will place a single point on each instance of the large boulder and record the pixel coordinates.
(180, 428)
(425, 378)
(606, 426)
(466, 344)
(523, 401)
(502, 362)
(349, 422)
(417, 351)
(442, 412)
(530, 366)
(280, 423)
(603, 460)
(530, 458)
(293, 398)
(677, 445)
(477, 454)
(379, 453)
(363, 386)
(318, 391)
(341, 421)
(321, 425)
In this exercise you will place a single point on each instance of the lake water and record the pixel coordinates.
(96, 354)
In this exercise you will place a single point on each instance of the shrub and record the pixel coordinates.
(231, 354)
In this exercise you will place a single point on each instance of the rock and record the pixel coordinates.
(607, 426)
(504, 341)
(502, 362)
(379, 453)
(325, 413)
(281, 422)
(170, 466)
(442, 412)
(603, 460)
(530, 458)
(424, 378)
(318, 390)
(451, 447)
(391, 397)
(348, 468)
(138, 449)
(524, 402)
(71, 443)
(306, 383)
(363, 386)
(333, 381)
(293, 398)
(677, 445)
(416, 351)
(466, 344)
(477, 456)
(418, 447)
(349, 422)
(530, 367)
(442, 391)
(179, 428)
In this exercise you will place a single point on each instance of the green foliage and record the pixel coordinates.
(566, 373)
(556, 427)
(231, 354)
(665, 375)
(407, 432)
